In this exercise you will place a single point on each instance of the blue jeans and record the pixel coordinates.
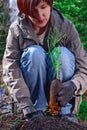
(37, 67)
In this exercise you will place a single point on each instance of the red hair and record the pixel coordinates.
(26, 6)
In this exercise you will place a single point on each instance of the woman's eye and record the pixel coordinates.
(43, 7)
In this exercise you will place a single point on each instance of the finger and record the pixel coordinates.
(60, 98)
(62, 104)
(61, 93)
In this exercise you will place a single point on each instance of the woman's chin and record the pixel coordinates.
(41, 25)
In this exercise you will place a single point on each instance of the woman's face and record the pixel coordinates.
(41, 15)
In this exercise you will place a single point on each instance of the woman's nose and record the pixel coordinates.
(40, 15)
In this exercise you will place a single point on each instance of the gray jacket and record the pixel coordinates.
(21, 35)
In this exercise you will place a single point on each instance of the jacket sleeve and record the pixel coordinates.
(12, 74)
(80, 76)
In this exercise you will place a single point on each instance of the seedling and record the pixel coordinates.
(55, 43)
(55, 58)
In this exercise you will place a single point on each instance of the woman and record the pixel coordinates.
(28, 70)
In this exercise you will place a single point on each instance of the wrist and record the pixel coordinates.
(28, 110)
(74, 86)
(35, 114)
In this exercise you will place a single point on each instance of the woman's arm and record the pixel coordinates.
(80, 76)
(12, 74)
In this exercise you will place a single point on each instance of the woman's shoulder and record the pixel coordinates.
(14, 24)
(56, 13)
(58, 16)
(14, 27)
(60, 20)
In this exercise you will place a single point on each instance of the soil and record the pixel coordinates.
(41, 123)
(51, 123)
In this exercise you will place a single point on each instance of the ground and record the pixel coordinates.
(14, 122)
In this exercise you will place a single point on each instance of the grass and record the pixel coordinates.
(83, 110)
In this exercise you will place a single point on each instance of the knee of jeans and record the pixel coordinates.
(67, 60)
(35, 54)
